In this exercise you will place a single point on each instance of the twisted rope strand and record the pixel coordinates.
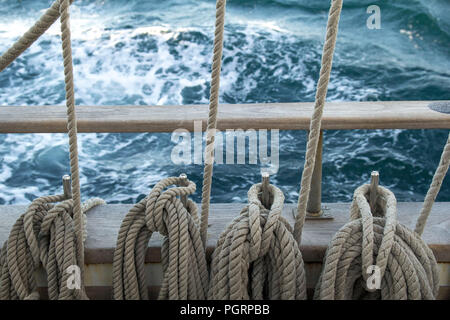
(38, 29)
(435, 186)
(212, 118)
(316, 119)
(72, 129)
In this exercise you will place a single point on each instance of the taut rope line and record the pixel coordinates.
(212, 118)
(434, 188)
(72, 130)
(38, 29)
(316, 119)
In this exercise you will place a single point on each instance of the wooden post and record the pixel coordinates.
(374, 181)
(314, 206)
(265, 196)
(184, 183)
(66, 186)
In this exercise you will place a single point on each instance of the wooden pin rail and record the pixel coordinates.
(104, 223)
(283, 116)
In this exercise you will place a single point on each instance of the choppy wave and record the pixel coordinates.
(153, 52)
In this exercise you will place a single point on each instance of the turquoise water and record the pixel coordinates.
(159, 52)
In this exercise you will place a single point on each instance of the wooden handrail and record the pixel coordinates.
(283, 116)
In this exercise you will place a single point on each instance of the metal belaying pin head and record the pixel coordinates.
(374, 181)
(67, 186)
(184, 183)
(265, 195)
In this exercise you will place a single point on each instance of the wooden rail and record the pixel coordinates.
(283, 116)
(104, 223)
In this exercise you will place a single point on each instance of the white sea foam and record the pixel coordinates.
(162, 63)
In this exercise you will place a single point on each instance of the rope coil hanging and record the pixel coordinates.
(185, 274)
(43, 235)
(407, 267)
(257, 257)
(257, 237)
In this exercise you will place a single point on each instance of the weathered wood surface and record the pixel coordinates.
(104, 223)
(283, 116)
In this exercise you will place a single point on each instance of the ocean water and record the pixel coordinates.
(159, 53)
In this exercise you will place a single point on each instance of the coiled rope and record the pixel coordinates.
(43, 235)
(185, 274)
(257, 256)
(242, 266)
(407, 266)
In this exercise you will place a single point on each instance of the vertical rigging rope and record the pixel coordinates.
(434, 188)
(72, 130)
(212, 118)
(316, 119)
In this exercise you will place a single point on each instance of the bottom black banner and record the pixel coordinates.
(217, 309)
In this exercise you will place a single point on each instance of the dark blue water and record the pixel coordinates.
(159, 52)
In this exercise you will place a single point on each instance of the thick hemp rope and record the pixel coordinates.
(184, 263)
(212, 117)
(316, 119)
(257, 256)
(38, 29)
(434, 188)
(182, 251)
(43, 236)
(406, 266)
(72, 130)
